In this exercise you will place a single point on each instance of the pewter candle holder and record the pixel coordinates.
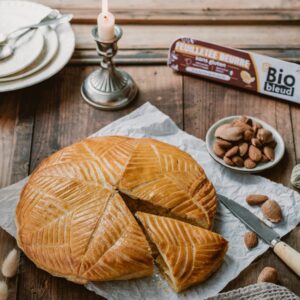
(108, 87)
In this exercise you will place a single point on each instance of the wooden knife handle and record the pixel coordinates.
(288, 255)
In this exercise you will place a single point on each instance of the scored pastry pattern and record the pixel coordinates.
(190, 253)
(73, 223)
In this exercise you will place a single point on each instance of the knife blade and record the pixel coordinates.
(269, 235)
(287, 254)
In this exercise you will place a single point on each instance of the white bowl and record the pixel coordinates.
(279, 150)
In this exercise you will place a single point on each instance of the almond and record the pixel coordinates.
(248, 135)
(228, 161)
(218, 150)
(223, 144)
(250, 239)
(248, 120)
(245, 120)
(269, 152)
(272, 211)
(243, 149)
(255, 142)
(264, 135)
(272, 144)
(249, 163)
(254, 153)
(255, 127)
(221, 128)
(241, 124)
(268, 274)
(264, 159)
(238, 161)
(256, 199)
(229, 133)
(231, 152)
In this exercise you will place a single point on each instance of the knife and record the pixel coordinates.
(286, 253)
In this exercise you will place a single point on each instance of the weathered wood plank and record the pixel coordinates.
(62, 117)
(159, 57)
(161, 36)
(183, 12)
(176, 4)
(205, 103)
(16, 124)
(295, 115)
(188, 16)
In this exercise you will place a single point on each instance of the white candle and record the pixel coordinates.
(106, 23)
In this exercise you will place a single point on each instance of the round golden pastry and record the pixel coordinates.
(74, 217)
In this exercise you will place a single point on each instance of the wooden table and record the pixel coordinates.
(39, 120)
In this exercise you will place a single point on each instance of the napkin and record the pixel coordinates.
(148, 121)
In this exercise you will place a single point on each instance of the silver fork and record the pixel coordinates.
(8, 49)
(4, 38)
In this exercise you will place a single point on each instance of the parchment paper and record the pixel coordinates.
(148, 121)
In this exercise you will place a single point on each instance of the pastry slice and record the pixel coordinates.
(186, 254)
(170, 182)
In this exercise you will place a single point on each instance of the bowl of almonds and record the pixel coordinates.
(245, 144)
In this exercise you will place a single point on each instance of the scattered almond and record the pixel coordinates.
(228, 161)
(3, 290)
(264, 135)
(231, 152)
(223, 144)
(250, 239)
(269, 152)
(268, 274)
(10, 264)
(256, 142)
(254, 153)
(238, 161)
(243, 149)
(256, 199)
(272, 211)
(218, 150)
(249, 163)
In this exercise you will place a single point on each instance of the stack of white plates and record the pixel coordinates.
(40, 53)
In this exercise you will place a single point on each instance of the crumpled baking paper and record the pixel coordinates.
(148, 121)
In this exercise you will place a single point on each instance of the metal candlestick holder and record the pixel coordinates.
(108, 87)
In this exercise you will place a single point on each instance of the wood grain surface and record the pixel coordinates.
(154, 24)
(39, 120)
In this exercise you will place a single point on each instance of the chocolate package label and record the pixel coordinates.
(235, 67)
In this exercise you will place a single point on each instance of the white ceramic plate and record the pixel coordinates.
(34, 13)
(279, 150)
(49, 50)
(28, 49)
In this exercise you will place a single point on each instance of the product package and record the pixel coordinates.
(248, 70)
